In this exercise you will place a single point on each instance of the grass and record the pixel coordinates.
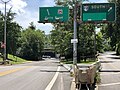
(1, 59)
(98, 79)
(88, 61)
(15, 59)
(66, 62)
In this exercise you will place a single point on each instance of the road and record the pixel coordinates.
(110, 73)
(39, 75)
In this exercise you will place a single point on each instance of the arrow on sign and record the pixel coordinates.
(48, 12)
(109, 9)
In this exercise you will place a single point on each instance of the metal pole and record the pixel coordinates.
(5, 35)
(5, 2)
(75, 36)
(95, 43)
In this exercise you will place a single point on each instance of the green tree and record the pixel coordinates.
(100, 42)
(61, 42)
(63, 33)
(112, 30)
(1, 26)
(85, 34)
(12, 31)
(32, 26)
(31, 44)
(118, 27)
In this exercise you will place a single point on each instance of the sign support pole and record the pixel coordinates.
(5, 19)
(75, 36)
(75, 44)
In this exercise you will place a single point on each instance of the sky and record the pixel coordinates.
(28, 11)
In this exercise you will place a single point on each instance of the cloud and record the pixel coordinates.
(17, 6)
(98, 1)
(27, 11)
(27, 14)
(47, 3)
(45, 27)
(24, 20)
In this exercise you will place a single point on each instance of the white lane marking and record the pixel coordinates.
(110, 84)
(50, 85)
(62, 86)
(103, 74)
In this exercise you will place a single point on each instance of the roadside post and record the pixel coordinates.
(75, 41)
(5, 26)
(75, 35)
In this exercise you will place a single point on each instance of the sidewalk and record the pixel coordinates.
(69, 68)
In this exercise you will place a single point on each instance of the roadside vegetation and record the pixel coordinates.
(30, 42)
(90, 40)
(14, 60)
(88, 61)
(26, 43)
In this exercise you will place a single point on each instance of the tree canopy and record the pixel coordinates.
(31, 44)
(13, 30)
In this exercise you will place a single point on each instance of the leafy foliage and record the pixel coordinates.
(12, 31)
(61, 40)
(32, 44)
(63, 33)
(111, 31)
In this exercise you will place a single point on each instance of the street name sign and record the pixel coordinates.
(74, 40)
(98, 12)
(53, 14)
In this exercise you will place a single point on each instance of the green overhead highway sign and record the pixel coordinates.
(98, 12)
(53, 14)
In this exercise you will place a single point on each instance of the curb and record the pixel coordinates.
(96, 87)
(69, 68)
(73, 85)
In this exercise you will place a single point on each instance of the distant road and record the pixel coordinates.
(110, 73)
(41, 75)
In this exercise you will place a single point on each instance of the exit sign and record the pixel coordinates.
(53, 14)
(98, 12)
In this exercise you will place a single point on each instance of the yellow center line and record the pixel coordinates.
(13, 70)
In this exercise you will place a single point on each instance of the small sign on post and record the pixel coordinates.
(98, 12)
(53, 14)
(74, 40)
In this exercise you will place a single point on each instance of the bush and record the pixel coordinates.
(118, 48)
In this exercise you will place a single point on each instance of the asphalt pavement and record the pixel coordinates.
(110, 73)
(42, 75)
